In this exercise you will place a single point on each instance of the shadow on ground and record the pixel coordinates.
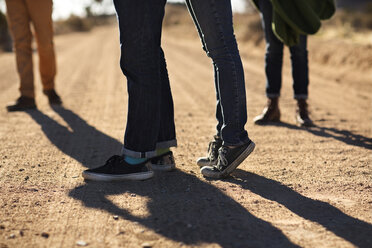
(344, 136)
(351, 229)
(179, 207)
(79, 140)
(185, 209)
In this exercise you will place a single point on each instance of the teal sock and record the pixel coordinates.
(162, 151)
(131, 160)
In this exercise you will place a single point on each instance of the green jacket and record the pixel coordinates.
(294, 17)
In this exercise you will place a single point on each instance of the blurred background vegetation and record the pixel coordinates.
(5, 40)
(345, 41)
(73, 23)
(85, 23)
(352, 17)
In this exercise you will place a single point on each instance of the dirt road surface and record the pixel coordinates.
(300, 187)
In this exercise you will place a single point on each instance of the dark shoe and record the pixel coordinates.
(164, 162)
(271, 112)
(116, 169)
(302, 114)
(22, 103)
(53, 98)
(211, 158)
(228, 160)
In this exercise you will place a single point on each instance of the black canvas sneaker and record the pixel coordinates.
(212, 155)
(116, 169)
(164, 162)
(228, 160)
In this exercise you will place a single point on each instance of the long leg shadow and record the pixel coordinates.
(188, 210)
(79, 140)
(344, 136)
(356, 231)
(182, 207)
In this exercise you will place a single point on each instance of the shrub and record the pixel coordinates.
(5, 39)
(79, 24)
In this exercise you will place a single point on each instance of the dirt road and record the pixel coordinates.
(300, 188)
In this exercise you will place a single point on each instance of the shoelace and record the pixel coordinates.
(113, 161)
(222, 161)
(212, 150)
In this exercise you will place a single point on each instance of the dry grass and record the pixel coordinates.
(5, 40)
(81, 24)
(358, 20)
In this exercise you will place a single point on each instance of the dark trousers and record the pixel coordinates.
(274, 58)
(150, 120)
(213, 19)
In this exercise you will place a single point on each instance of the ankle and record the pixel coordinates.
(132, 160)
(162, 151)
(273, 102)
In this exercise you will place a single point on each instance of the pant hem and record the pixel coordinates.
(28, 94)
(149, 154)
(271, 95)
(47, 88)
(237, 144)
(300, 97)
(166, 144)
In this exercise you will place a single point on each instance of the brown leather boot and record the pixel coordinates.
(23, 103)
(302, 114)
(271, 112)
(53, 97)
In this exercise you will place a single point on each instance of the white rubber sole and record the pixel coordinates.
(208, 171)
(202, 164)
(110, 178)
(168, 167)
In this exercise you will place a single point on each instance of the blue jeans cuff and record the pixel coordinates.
(149, 154)
(236, 144)
(166, 144)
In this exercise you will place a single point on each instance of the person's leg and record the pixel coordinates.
(273, 66)
(274, 52)
(167, 130)
(214, 19)
(140, 24)
(164, 161)
(300, 69)
(212, 153)
(41, 17)
(300, 72)
(218, 104)
(19, 23)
